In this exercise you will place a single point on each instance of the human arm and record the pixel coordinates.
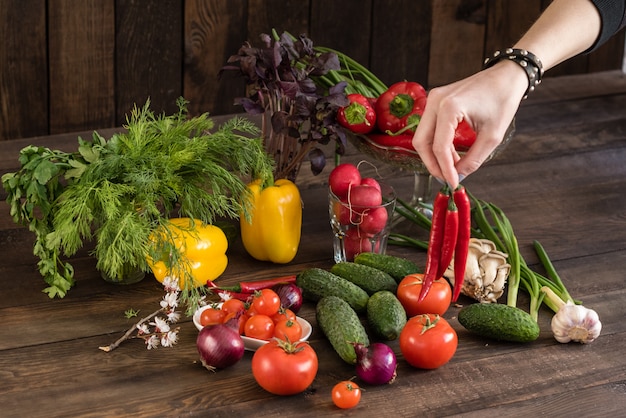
(488, 100)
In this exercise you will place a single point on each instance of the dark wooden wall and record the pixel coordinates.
(69, 65)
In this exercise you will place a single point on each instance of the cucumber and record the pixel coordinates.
(396, 267)
(341, 325)
(385, 315)
(499, 322)
(317, 283)
(367, 278)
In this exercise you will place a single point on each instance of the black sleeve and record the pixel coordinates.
(612, 13)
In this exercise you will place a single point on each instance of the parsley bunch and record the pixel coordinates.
(118, 191)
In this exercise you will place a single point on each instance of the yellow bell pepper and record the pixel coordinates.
(202, 249)
(273, 232)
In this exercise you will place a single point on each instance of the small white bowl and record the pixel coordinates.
(251, 344)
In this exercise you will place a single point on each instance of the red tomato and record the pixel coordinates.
(346, 394)
(288, 329)
(266, 302)
(212, 316)
(233, 306)
(437, 301)
(428, 341)
(282, 368)
(284, 313)
(342, 178)
(260, 327)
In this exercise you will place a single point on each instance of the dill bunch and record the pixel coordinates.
(116, 192)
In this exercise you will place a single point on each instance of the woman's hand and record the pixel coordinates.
(487, 100)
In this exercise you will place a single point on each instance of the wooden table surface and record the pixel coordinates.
(561, 181)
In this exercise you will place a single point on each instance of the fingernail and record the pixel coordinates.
(462, 177)
(440, 180)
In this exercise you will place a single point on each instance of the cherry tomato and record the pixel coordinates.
(260, 327)
(428, 341)
(266, 302)
(284, 313)
(241, 319)
(288, 329)
(284, 368)
(212, 316)
(437, 301)
(346, 394)
(233, 306)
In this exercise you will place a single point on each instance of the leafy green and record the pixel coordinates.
(118, 191)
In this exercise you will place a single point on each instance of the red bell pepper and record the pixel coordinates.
(400, 107)
(464, 137)
(359, 116)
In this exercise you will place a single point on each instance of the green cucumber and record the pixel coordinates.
(499, 322)
(396, 267)
(341, 325)
(385, 315)
(317, 283)
(367, 278)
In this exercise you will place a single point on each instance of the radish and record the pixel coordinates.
(342, 178)
(374, 220)
(365, 196)
(370, 181)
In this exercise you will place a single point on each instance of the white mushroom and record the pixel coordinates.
(485, 273)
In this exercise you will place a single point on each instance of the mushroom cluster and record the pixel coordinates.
(486, 271)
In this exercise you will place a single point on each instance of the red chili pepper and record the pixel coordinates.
(462, 201)
(464, 136)
(451, 232)
(251, 287)
(400, 107)
(437, 229)
(359, 116)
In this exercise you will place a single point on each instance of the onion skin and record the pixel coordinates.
(375, 364)
(290, 296)
(219, 346)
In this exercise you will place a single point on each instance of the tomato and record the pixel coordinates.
(212, 316)
(288, 329)
(233, 306)
(284, 368)
(284, 313)
(260, 327)
(346, 394)
(241, 319)
(428, 341)
(437, 300)
(266, 302)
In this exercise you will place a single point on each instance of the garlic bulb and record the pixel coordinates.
(486, 271)
(573, 322)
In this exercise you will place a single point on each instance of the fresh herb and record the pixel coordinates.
(298, 114)
(120, 190)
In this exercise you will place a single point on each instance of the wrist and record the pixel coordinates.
(524, 60)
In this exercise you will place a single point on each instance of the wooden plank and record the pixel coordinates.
(82, 80)
(344, 26)
(214, 30)
(451, 59)
(23, 69)
(148, 55)
(282, 15)
(401, 40)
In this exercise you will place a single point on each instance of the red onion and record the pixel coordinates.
(290, 296)
(220, 345)
(375, 364)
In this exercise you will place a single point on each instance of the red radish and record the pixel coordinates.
(363, 195)
(342, 178)
(374, 220)
(370, 181)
